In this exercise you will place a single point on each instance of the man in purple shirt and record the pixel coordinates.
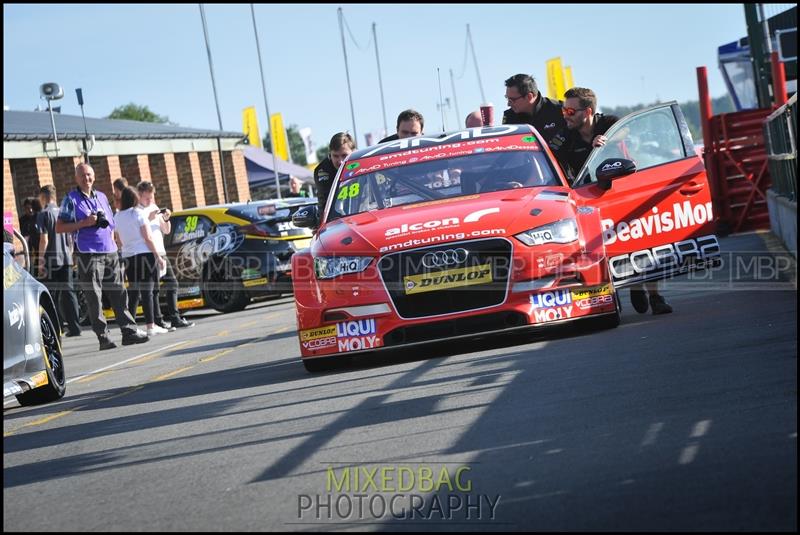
(86, 213)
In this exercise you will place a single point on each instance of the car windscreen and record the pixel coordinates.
(257, 211)
(410, 177)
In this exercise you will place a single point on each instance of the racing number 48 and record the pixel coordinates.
(349, 192)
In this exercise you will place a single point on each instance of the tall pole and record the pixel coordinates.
(380, 79)
(441, 101)
(53, 123)
(455, 100)
(79, 93)
(266, 106)
(475, 60)
(757, 39)
(216, 102)
(347, 73)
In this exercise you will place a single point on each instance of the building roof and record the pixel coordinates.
(35, 125)
(263, 159)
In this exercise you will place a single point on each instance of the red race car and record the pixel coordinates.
(478, 231)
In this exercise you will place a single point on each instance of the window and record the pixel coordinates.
(649, 139)
(189, 228)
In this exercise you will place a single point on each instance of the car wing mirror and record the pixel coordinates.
(306, 217)
(613, 168)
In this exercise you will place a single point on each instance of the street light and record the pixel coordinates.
(51, 91)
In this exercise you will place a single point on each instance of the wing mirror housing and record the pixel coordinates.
(613, 168)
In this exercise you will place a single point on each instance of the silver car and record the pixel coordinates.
(33, 363)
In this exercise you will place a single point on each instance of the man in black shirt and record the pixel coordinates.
(529, 106)
(410, 123)
(339, 148)
(55, 261)
(585, 129)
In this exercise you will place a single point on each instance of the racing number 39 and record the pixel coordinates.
(191, 223)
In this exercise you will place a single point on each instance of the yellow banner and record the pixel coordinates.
(555, 79)
(449, 278)
(281, 148)
(250, 126)
(568, 77)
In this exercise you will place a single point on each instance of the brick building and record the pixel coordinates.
(182, 163)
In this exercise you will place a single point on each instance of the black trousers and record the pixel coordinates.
(142, 271)
(59, 282)
(171, 292)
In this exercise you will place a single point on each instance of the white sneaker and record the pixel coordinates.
(155, 329)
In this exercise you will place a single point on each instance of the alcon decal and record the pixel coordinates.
(681, 216)
(447, 222)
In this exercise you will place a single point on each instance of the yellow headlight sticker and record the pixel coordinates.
(40, 379)
(320, 332)
(449, 278)
(254, 282)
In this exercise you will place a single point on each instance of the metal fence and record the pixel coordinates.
(781, 135)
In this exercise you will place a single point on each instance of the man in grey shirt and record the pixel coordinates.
(55, 260)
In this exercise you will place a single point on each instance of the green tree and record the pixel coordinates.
(322, 153)
(690, 109)
(296, 145)
(135, 112)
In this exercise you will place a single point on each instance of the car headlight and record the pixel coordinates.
(564, 231)
(328, 267)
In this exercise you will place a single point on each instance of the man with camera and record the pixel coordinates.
(87, 213)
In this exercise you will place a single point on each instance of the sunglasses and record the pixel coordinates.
(569, 112)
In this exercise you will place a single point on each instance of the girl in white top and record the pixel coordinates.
(159, 226)
(143, 258)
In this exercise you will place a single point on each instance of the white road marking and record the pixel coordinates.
(104, 368)
(652, 434)
(688, 454)
(700, 429)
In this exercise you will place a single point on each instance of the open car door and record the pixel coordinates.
(653, 195)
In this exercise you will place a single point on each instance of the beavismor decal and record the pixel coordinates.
(682, 215)
(449, 278)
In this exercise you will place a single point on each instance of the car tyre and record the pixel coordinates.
(319, 365)
(223, 289)
(54, 365)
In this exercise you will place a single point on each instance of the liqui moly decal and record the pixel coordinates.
(551, 299)
(553, 314)
(355, 328)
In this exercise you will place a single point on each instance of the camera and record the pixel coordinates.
(102, 222)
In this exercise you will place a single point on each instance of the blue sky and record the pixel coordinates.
(155, 55)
